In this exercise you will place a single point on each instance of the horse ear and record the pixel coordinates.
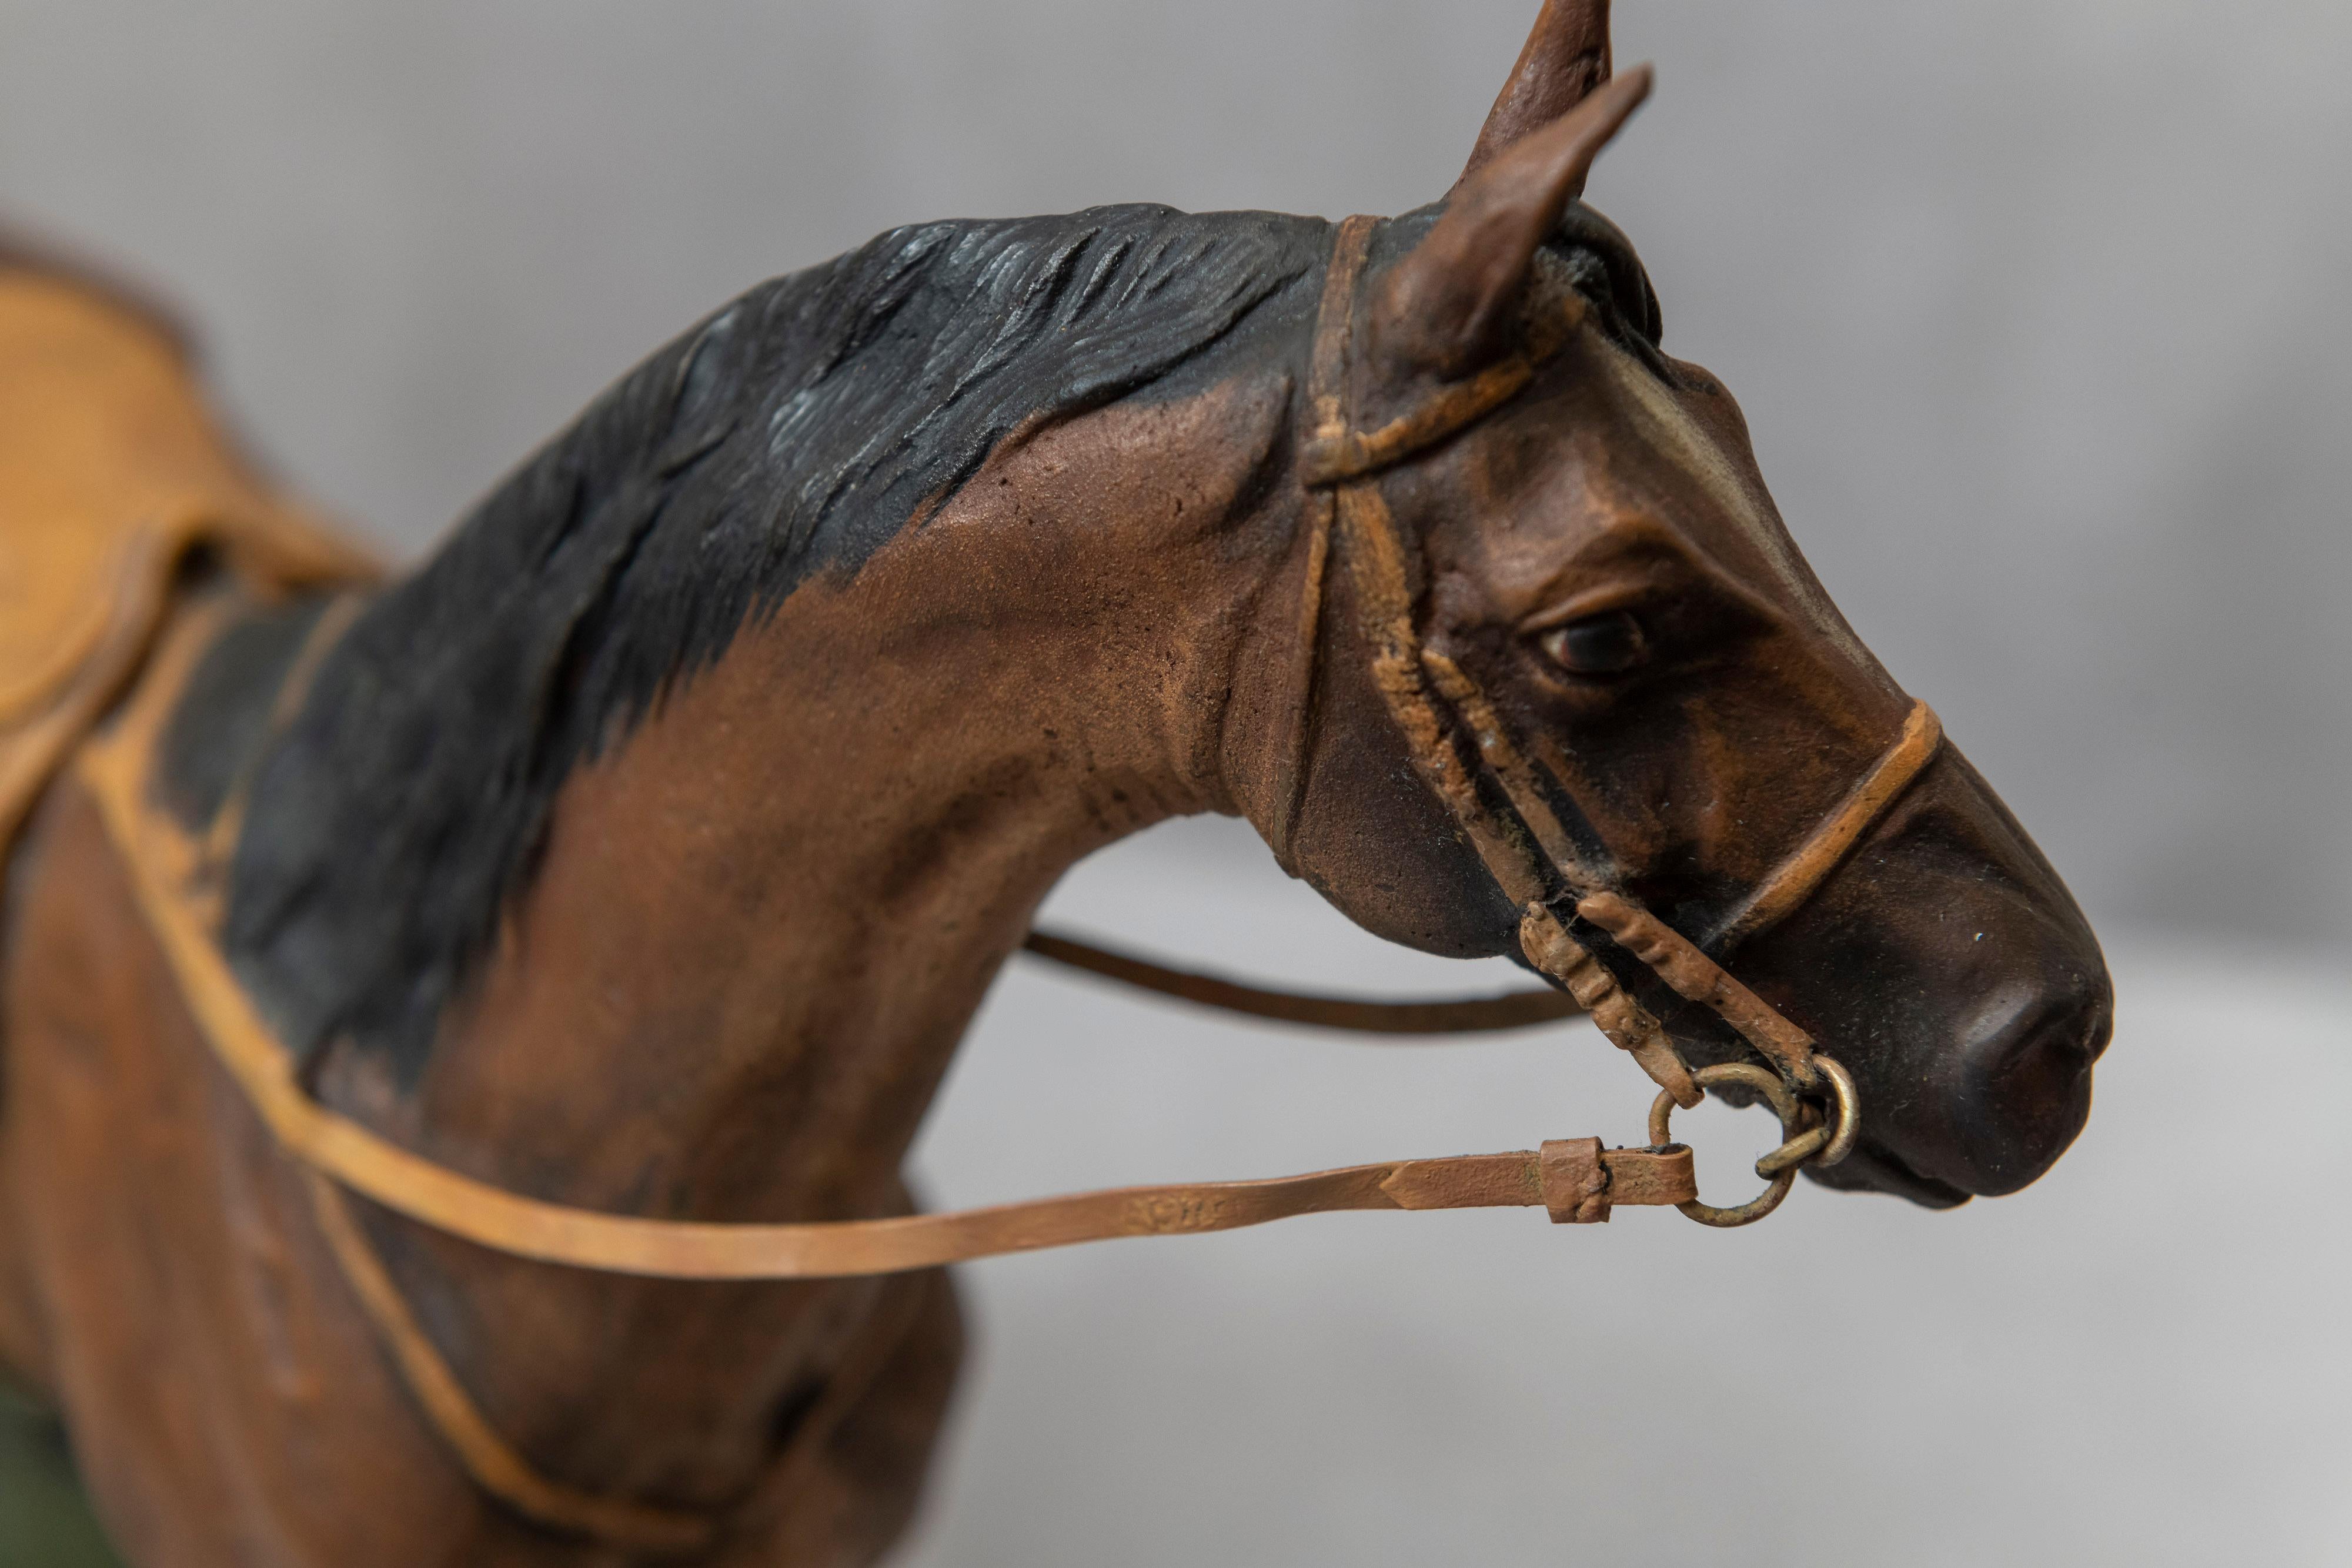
(1446, 307)
(1566, 57)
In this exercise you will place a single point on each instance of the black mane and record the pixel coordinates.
(794, 433)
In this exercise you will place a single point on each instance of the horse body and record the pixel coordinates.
(650, 849)
(817, 902)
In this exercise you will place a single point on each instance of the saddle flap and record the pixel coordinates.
(113, 469)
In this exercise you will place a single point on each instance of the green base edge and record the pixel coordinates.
(45, 1517)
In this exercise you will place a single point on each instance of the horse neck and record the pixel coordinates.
(761, 923)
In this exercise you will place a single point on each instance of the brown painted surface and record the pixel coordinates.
(762, 926)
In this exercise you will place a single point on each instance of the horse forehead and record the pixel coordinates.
(1734, 525)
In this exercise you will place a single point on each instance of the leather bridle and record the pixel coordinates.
(1571, 915)
(1467, 758)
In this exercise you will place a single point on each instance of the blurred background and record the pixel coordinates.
(2040, 311)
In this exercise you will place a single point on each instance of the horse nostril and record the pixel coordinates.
(2022, 1027)
(2024, 1081)
(2098, 1029)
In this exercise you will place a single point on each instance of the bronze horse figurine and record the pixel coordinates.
(642, 857)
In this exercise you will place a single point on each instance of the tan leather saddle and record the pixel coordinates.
(113, 476)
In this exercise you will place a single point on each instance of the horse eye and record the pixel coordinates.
(1605, 645)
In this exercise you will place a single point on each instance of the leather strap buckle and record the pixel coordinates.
(1582, 1181)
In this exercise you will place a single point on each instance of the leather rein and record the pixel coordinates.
(1572, 914)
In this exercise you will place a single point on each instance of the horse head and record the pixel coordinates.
(1595, 562)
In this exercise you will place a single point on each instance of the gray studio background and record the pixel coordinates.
(2042, 313)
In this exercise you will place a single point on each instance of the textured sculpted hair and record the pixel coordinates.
(795, 431)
